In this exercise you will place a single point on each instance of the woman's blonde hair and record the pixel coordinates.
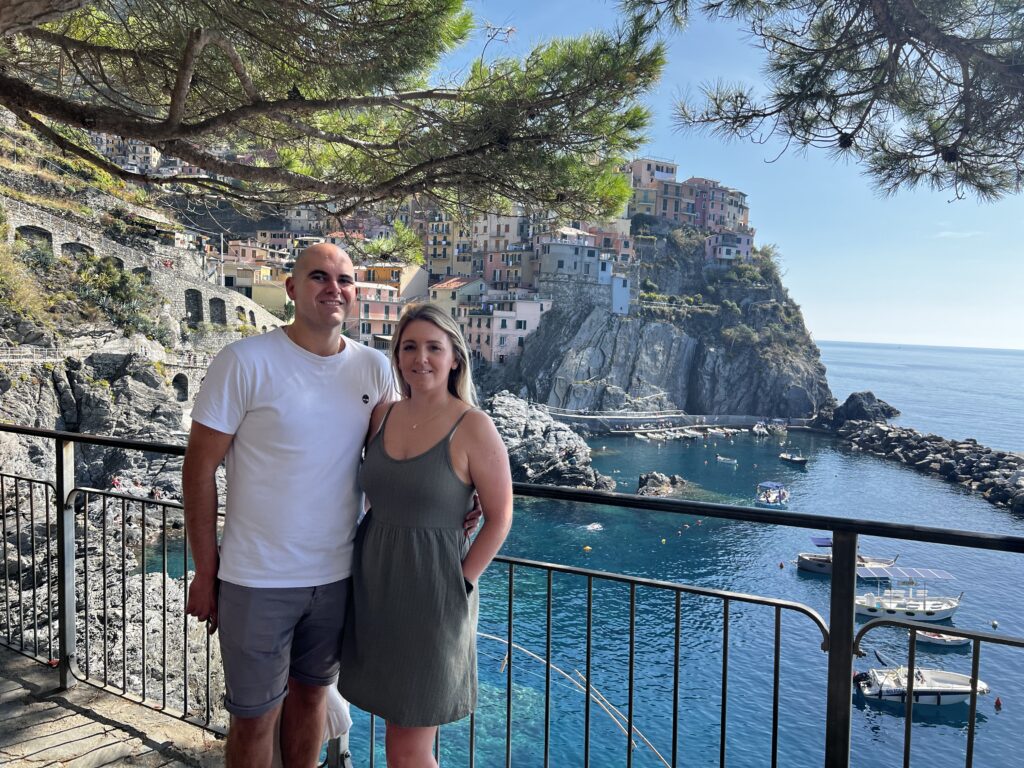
(460, 378)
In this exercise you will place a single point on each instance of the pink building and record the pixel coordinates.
(378, 311)
(496, 331)
(718, 208)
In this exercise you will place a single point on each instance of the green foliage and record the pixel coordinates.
(648, 285)
(19, 291)
(403, 246)
(740, 335)
(919, 92)
(642, 224)
(121, 296)
(338, 102)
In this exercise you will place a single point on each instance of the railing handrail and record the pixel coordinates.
(958, 538)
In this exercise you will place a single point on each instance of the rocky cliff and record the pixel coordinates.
(716, 343)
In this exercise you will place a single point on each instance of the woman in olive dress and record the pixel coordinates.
(409, 652)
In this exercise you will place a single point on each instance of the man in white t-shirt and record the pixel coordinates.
(289, 410)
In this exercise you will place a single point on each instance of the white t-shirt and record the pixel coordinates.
(299, 422)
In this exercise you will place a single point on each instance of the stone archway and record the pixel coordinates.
(218, 311)
(240, 315)
(263, 329)
(180, 384)
(73, 250)
(40, 252)
(144, 275)
(193, 307)
(252, 318)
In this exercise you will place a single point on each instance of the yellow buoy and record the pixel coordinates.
(662, 541)
(586, 548)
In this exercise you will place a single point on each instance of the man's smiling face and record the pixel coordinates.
(322, 286)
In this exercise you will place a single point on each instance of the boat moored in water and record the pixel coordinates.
(726, 459)
(907, 595)
(794, 457)
(771, 494)
(931, 686)
(941, 639)
(821, 562)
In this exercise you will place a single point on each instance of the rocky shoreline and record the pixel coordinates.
(540, 449)
(997, 475)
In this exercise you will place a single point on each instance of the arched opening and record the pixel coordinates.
(76, 250)
(38, 243)
(218, 312)
(263, 329)
(116, 262)
(180, 384)
(193, 307)
(144, 275)
(252, 318)
(240, 315)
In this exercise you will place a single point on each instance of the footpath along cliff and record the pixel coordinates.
(706, 341)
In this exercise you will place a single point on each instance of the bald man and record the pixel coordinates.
(289, 410)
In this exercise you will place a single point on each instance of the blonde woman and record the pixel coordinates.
(409, 652)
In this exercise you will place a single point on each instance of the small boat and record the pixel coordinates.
(931, 686)
(725, 459)
(771, 494)
(760, 429)
(794, 457)
(821, 562)
(907, 596)
(938, 638)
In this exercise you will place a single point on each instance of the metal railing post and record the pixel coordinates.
(65, 450)
(839, 702)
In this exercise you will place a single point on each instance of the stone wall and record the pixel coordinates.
(171, 271)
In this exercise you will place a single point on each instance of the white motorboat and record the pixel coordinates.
(771, 494)
(931, 686)
(941, 639)
(821, 562)
(907, 595)
(794, 457)
(726, 459)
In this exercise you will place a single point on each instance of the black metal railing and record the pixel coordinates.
(87, 576)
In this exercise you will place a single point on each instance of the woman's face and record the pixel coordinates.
(425, 356)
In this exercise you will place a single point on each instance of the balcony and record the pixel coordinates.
(614, 668)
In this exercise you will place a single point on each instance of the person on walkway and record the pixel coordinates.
(289, 410)
(409, 649)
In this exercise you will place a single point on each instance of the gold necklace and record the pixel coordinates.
(429, 419)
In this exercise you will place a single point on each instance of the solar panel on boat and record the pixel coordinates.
(897, 572)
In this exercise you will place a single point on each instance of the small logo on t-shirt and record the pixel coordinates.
(366, 399)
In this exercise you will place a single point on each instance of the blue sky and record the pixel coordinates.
(912, 269)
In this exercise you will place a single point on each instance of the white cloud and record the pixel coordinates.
(948, 234)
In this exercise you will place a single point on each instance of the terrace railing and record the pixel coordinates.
(96, 582)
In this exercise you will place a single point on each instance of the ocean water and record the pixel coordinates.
(955, 393)
(951, 391)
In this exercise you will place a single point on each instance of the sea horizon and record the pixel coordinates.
(949, 347)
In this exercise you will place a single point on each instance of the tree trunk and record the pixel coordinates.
(16, 15)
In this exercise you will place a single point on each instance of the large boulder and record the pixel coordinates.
(863, 406)
(658, 484)
(540, 449)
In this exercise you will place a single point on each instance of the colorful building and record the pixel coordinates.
(379, 307)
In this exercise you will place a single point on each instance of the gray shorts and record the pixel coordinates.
(270, 634)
